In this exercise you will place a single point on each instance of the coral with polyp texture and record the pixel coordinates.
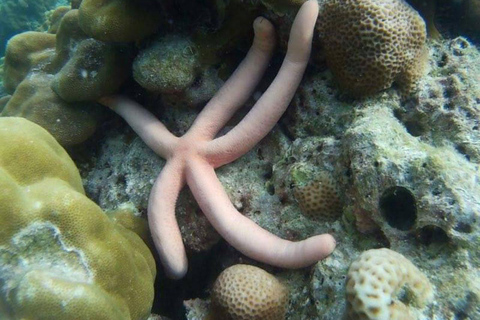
(61, 257)
(244, 292)
(371, 44)
(374, 282)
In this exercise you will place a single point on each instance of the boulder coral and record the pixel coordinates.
(61, 257)
(95, 69)
(118, 20)
(78, 69)
(371, 44)
(69, 123)
(26, 51)
(248, 292)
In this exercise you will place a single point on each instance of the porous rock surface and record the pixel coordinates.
(407, 171)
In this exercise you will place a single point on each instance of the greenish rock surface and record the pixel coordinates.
(407, 169)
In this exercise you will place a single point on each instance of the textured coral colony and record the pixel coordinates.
(379, 147)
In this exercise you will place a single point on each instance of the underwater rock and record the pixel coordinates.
(412, 187)
(169, 65)
(61, 257)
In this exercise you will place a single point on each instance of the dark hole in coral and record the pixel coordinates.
(463, 151)
(397, 205)
(268, 173)
(271, 189)
(449, 106)
(415, 128)
(432, 235)
(463, 227)
(443, 61)
(449, 93)
(398, 114)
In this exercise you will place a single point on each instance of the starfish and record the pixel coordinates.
(192, 158)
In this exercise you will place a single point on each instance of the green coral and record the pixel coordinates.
(118, 20)
(69, 123)
(61, 257)
(96, 69)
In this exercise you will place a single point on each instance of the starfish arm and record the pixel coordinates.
(154, 133)
(273, 103)
(161, 218)
(242, 233)
(240, 85)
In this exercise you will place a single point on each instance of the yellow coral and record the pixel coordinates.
(61, 257)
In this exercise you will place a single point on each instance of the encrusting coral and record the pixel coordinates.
(319, 199)
(61, 257)
(374, 281)
(192, 158)
(371, 44)
(244, 292)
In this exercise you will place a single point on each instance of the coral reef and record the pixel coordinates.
(402, 170)
(169, 65)
(26, 51)
(69, 123)
(371, 44)
(247, 292)
(94, 70)
(78, 70)
(374, 281)
(60, 255)
(319, 199)
(118, 20)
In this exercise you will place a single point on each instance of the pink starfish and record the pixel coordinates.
(192, 158)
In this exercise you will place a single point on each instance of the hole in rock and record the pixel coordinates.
(397, 205)
(432, 235)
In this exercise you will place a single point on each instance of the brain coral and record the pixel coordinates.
(61, 257)
(320, 198)
(374, 281)
(371, 44)
(244, 292)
